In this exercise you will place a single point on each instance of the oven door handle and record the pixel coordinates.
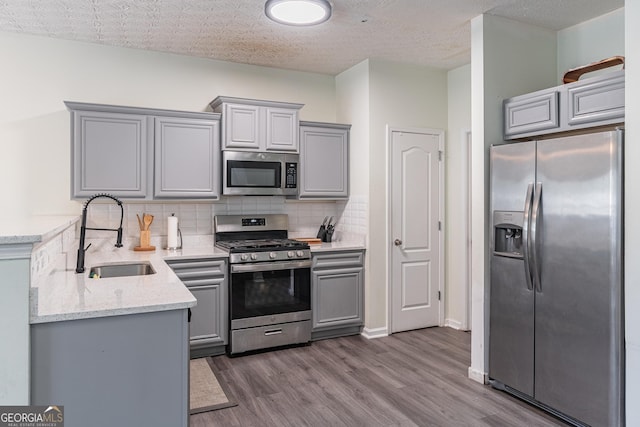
(270, 266)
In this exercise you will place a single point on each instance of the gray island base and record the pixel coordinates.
(110, 371)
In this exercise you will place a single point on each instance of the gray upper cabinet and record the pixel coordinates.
(324, 161)
(187, 158)
(531, 113)
(255, 125)
(115, 149)
(598, 100)
(110, 153)
(595, 101)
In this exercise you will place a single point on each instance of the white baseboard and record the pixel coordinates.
(478, 376)
(451, 323)
(374, 333)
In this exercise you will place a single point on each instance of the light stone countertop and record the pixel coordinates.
(337, 246)
(33, 229)
(65, 295)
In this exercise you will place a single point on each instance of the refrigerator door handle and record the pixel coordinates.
(525, 236)
(535, 214)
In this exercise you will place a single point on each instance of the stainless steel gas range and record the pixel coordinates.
(270, 282)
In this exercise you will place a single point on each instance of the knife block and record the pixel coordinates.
(145, 240)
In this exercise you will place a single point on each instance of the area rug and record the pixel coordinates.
(206, 391)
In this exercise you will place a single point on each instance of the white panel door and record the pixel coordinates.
(416, 183)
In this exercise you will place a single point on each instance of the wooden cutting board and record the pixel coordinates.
(309, 240)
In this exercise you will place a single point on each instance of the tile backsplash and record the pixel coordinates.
(196, 218)
(196, 223)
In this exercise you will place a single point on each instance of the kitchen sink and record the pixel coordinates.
(121, 270)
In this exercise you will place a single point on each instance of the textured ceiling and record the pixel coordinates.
(434, 33)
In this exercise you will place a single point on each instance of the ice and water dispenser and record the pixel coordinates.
(507, 233)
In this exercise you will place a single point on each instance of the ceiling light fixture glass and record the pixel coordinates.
(298, 12)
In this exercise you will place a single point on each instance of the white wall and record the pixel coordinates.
(508, 58)
(39, 73)
(352, 96)
(400, 96)
(632, 207)
(578, 45)
(459, 123)
(591, 41)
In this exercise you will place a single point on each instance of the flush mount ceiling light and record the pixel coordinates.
(298, 12)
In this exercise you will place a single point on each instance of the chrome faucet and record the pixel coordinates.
(84, 228)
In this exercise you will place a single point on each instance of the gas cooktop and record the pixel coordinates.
(261, 245)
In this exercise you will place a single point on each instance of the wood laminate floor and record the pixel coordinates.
(416, 378)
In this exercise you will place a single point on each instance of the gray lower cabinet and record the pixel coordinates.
(324, 161)
(187, 158)
(130, 370)
(337, 281)
(144, 153)
(207, 280)
(587, 103)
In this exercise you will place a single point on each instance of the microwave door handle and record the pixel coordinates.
(270, 266)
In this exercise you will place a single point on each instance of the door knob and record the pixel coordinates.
(397, 242)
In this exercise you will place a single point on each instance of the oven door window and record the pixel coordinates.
(242, 173)
(264, 293)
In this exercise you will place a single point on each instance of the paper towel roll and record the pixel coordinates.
(172, 232)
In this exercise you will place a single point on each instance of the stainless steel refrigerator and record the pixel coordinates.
(556, 306)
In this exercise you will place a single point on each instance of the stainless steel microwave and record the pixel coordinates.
(259, 174)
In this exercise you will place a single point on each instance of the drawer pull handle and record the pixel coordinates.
(272, 332)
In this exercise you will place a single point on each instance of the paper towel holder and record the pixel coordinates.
(172, 248)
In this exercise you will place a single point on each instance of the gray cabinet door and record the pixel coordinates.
(110, 154)
(281, 129)
(187, 158)
(208, 317)
(337, 297)
(324, 162)
(206, 278)
(531, 113)
(597, 100)
(241, 128)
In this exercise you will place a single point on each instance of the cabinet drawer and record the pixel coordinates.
(596, 101)
(337, 259)
(531, 113)
(192, 268)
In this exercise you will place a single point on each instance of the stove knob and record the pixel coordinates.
(244, 257)
(290, 254)
(300, 253)
(254, 256)
(272, 255)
